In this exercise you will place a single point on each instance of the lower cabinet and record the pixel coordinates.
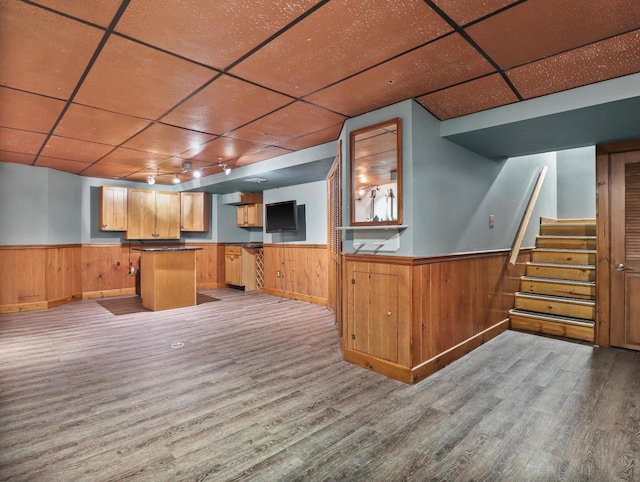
(240, 267)
(378, 311)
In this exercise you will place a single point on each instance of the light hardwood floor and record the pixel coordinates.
(259, 392)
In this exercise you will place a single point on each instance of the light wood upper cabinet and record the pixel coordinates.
(112, 208)
(194, 211)
(250, 216)
(153, 215)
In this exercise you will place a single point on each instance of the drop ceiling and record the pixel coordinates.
(127, 89)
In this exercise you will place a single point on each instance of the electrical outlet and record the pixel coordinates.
(491, 220)
(278, 273)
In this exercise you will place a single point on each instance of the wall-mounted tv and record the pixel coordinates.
(282, 216)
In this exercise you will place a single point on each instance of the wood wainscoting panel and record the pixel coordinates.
(302, 269)
(23, 280)
(457, 298)
(63, 279)
(105, 268)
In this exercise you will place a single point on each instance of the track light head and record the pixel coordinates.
(226, 169)
(151, 180)
(197, 173)
(176, 179)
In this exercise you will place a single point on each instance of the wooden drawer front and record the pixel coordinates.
(232, 250)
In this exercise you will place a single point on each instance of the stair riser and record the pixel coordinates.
(560, 229)
(585, 333)
(559, 307)
(565, 243)
(558, 289)
(563, 257)
(575, 274)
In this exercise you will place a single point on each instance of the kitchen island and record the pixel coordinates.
(167, 277)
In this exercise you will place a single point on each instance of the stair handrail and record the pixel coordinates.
(526, 218)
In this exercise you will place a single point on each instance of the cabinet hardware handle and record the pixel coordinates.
(388, 313)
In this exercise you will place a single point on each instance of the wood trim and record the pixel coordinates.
(440, 361)
(602, 334)
(374, 258)
(464, 255)
(296, 296)
(90, 295)
(19, 307)
(383, 367)
(42, 246)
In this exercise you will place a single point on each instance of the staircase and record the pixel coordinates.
(557, 293)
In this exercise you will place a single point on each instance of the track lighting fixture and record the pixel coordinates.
(151, 180)
(197, 173)
(226, 169)
(176, 179)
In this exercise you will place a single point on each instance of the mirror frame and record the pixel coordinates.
(352, 163)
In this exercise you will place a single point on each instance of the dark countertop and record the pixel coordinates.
(160, 249)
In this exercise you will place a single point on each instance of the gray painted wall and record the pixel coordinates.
(24, 195)
(577, 183)
(455, 192)
(312, 200)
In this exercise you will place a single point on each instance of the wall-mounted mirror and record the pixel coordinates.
(376, 174)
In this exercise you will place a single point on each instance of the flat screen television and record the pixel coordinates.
(282, 216)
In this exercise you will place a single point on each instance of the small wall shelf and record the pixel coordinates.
(369, 238)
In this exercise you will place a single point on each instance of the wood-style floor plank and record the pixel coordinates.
(259, 391)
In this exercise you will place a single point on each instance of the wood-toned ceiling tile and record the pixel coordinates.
(133, 159)
(224, 105)
(17, 157)
(41, 51)
(447, 61)
(74, 149)
(165, 139)
(25, 142)
(339, 39)
(463, 11)
(31, 112)
(109, 171)
(100, 13)
(214, 33)
(540, 28)
(89, 124)
(66, 165)
(294, 120)
(135, 80)
(263, 155)
(473, 96)
(221, 149)
(314, 139)
(604, 60)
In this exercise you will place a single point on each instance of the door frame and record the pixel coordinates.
(603, 240)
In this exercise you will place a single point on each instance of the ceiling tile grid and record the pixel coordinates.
(121, 89)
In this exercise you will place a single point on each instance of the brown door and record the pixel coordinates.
(334, 208)
(625, 250)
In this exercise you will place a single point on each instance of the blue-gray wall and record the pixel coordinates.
(577, 183)
(312, 212)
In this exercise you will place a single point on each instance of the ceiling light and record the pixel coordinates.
(176, 179)
(197, 173)
(224, 166)
(151, 180)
